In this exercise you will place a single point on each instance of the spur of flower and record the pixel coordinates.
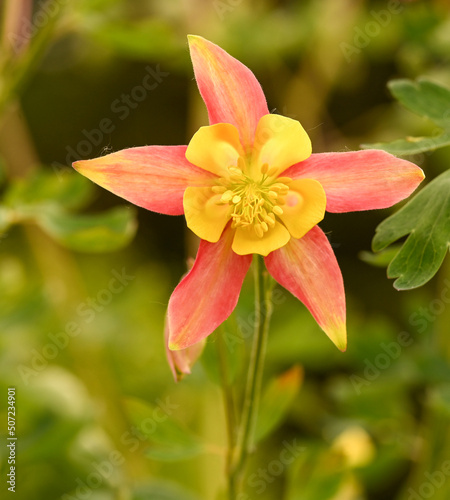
(249, 184)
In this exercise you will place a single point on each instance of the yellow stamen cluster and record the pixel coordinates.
(254, 202)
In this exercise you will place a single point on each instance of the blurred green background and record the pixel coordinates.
(83, 298)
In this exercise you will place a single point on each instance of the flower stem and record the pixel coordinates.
(230, 409)
(263, 311)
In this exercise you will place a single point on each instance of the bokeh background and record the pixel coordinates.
(85, 278)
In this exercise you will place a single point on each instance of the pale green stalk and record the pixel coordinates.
(263, 310)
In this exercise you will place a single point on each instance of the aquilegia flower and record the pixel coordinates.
(248, 183)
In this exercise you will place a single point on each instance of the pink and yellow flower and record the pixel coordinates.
(248, 184)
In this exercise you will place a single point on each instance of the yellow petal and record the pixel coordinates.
(204, 216)
(304, 207)
(280, 142)
(215, 148)
(246, 241)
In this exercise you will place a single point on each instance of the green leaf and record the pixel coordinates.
(380, 259)
(167, 439)
(428, 100)
(277, 400)
(424, 98)
(411, 145)
(104, 232)
(70, 190)
(44, 197)
(427, 218)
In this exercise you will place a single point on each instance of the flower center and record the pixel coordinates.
(253, 202)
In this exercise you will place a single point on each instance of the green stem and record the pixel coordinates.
(263, 310)
(230, 409)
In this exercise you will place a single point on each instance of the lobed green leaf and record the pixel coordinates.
(424, 98)
(428, 100)
(427, 219)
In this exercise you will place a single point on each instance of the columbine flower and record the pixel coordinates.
(248, 183)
